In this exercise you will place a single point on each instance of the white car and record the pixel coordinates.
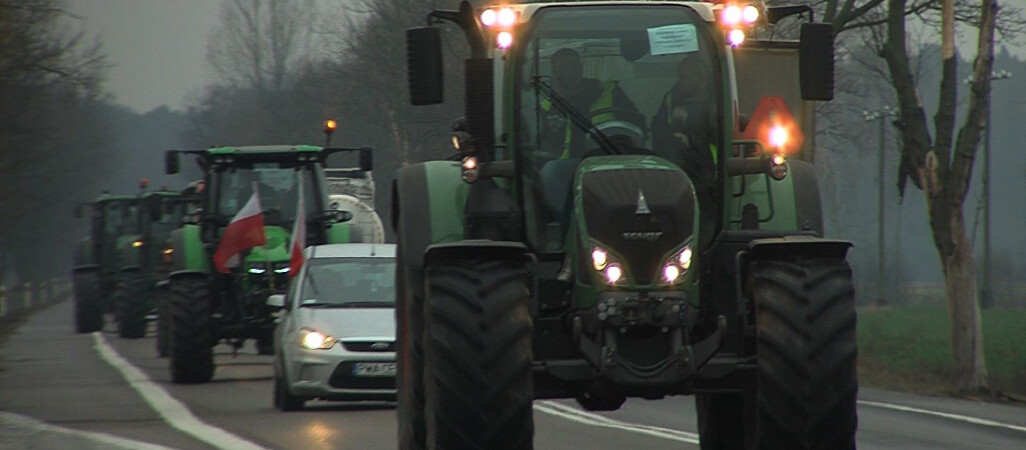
(335, 338)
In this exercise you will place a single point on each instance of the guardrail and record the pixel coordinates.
(20, 298)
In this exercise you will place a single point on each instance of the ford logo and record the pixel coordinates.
(379, 345)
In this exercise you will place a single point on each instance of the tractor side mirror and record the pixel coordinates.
(424, 65)
(171, 162)
(339, 215)
(816, 61)
(366, 159)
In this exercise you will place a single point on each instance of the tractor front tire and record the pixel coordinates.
(88, 309)
(807, 384)
(131, 304)
(409, 316)
(191, 352)
(477, 356)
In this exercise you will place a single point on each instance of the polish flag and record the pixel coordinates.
(245, 231)
(298, 235)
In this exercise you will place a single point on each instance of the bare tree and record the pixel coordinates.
(261, 43)
(942, 168)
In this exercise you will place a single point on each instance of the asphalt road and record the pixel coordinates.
(59, 389)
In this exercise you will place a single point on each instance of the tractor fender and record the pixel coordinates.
(428, 200)
(84, 268)
(796, 246)
(476, 250)
(187, 250)
(181, 274)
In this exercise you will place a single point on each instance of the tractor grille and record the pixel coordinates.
(343, 378)
(617, 217)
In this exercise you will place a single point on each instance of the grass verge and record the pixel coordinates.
(908, 348)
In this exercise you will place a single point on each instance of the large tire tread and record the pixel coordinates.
(191, 352)
(131, 305)
(88, 308)
(807, 357)
(477, 354)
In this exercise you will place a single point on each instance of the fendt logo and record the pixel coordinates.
(641, 235)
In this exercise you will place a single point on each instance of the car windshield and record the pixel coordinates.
(348, 282)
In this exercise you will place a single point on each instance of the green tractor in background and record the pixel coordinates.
(140, 256)
(185, 208)
(573, 251)
(206, 306)
(96, 266)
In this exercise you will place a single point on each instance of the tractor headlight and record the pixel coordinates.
(677, 266)
(257, 268)
(607, 265)
(280, 268)
(315, 340)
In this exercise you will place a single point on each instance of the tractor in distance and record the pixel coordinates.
(207, 306)
(608, 231)
(96, 266)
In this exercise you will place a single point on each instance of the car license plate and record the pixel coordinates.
(374, 369)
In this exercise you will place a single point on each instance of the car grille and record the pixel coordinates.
(342, 378)
(369, 346)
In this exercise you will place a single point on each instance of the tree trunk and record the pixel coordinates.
(968, 369)
(944, 174)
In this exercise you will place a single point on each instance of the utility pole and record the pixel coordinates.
(986, 295)
(881, 265)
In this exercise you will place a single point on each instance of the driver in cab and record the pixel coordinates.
(604, 103)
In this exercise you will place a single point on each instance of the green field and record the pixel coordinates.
(909, 348)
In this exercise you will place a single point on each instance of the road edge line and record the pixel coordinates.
(174, 412)
(957, 417)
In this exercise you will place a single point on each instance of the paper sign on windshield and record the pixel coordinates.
(672, 39)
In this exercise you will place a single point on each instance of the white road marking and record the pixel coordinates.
(587, 418)
(170, 409)
(958, 417)
(34, 426)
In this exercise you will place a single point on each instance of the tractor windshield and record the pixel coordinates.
(640, 79)
(278, 187)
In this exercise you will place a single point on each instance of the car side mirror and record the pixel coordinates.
(276, 300)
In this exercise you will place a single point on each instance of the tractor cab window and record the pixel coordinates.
(277, 185)
(646, 81)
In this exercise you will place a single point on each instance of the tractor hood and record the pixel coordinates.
(640, 209)
(275, 250)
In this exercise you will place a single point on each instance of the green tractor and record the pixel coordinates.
(208, 306)
(96, 264)
(140, 256)
(612, 228)
(185, 208)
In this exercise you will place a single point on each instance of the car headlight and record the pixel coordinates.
(315, 340)
(678, 265)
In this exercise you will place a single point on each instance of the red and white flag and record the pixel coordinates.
(298, 235)
(245, 231)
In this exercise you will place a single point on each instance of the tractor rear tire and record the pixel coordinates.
(192, 356)
(163, 323)
(131, 305)
(807, 384)
(409, 313)
(88, 309)
(477, 354)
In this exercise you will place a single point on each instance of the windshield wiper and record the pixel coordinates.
(575, 116)
(366, 304)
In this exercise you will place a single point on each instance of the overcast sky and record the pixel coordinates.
(157, 47)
